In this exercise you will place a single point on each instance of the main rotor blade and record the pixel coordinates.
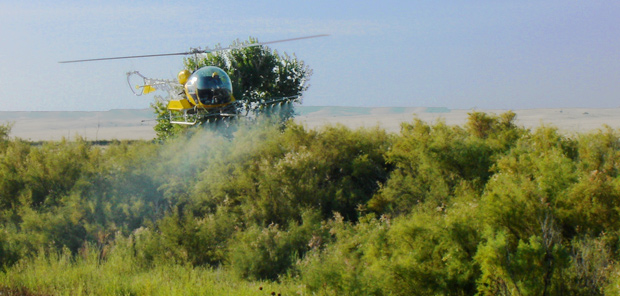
(269, 42)
(127, 57)
(193, 51)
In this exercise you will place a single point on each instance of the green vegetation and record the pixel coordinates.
(488, 208)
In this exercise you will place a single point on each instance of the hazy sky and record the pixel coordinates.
(455, 54)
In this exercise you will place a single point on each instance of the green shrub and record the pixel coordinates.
(432, 162)
(353, 261)
(268, 253)
(488, 208)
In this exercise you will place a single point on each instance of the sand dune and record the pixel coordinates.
(138, 124)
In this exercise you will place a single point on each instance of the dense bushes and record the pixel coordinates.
(487, 208)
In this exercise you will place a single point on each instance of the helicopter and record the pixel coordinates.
(204, 94)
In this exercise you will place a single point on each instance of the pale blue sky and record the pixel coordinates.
(455, 54)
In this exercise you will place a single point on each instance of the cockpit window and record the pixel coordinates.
(210, 86)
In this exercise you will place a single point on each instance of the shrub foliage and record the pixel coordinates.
(487, 208)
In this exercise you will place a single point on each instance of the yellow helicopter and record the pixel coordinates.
(201, 95)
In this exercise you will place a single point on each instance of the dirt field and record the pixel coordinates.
(138, 124)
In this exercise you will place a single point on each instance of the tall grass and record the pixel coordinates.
(61, 273)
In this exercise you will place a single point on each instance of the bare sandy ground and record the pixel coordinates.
(566, 120)
(108, 125)
(138, 124)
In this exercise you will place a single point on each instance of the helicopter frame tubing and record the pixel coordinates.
(196, 115)
(172, 87)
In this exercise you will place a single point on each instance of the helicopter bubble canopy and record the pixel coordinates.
(209, 86)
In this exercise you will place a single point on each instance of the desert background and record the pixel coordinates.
(137, 124)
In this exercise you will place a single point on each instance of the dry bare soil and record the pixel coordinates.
(138, 124)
